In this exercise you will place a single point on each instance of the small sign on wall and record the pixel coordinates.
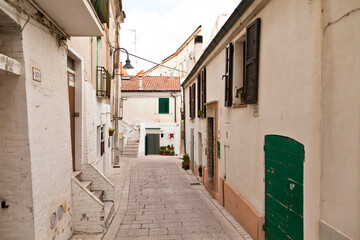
(36, 74)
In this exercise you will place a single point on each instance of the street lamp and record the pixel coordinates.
(117, 99)
(127, 62)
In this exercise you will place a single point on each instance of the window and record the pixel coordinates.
(101, 140)
(246, 61)
(163, 105)
(201, 98)
(229, 75)
(192, 93)
(252, 47)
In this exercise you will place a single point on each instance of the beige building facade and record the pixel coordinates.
(272, 83)
(54, 163)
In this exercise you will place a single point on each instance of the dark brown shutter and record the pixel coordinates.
(190, 102)
(252, 62)
(204, 91)
(198, 96)
(229, 75)
(194, 92)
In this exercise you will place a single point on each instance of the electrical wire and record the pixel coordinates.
(162, 65)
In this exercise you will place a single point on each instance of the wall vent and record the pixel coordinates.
(60, 212)
(198, 39)
(53, 220)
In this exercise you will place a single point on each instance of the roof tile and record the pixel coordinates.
(151, 83)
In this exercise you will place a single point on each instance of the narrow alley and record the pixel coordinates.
(157, 201)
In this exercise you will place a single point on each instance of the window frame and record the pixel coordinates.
(159, 105)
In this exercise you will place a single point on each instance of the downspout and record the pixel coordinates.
(224, 177)
(174, 106)
(117, 96)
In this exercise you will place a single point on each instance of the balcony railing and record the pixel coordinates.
(103, 83)
(102, 9)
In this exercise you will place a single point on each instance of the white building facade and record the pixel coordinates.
(49, 158)
(271, 113)
(154, 109)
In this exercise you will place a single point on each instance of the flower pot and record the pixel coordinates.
(111, 133)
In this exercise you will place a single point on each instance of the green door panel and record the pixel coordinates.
(284, 170)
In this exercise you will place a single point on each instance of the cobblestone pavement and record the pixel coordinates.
(156, 201)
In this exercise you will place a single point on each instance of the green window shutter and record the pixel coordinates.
(163, 105)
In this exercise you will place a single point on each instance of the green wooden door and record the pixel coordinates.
(284, 167)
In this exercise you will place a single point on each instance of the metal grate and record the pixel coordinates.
(60, 212)
(195, 183)
(53, 220)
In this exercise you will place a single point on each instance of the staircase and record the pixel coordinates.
(131, 149)
(93, 200)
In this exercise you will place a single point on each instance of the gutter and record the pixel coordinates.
(238, 12)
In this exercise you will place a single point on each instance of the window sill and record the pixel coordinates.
(240, 105)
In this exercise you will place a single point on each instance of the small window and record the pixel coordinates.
(239, 57)
(163, 105)
(101, 140)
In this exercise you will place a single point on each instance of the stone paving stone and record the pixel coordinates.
(158, 231)
(161, 204)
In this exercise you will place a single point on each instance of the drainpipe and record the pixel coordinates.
(117, 97)
(175, 106)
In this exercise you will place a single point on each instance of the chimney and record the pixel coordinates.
(198, 40)
(140, 83)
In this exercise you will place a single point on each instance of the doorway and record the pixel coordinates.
(192, 158)
(71, 89)
(211, 178)
(152, 144)
(284, 169)
(199, 149)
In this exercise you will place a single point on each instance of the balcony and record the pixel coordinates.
(76, 18)
(103, 82)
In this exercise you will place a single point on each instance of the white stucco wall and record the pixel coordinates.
(340, 188)
(49, 131)
(144, 107)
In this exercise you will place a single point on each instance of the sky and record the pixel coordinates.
(161, 26)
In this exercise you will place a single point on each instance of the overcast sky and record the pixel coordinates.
(161, 26)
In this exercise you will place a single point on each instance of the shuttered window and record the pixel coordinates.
(229, 75)
(190, 101)
(163, 105)
(199, 99)
(252, 62)
(193, 92)
(203, 91)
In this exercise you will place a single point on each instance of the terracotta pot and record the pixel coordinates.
(111, 133)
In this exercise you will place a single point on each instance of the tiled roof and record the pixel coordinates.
(151, 84)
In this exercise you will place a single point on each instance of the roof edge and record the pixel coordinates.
(237, 13)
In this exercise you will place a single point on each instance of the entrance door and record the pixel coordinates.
(211, 152)
(71, 87)
(284, 167)
(152, 144)
(192, 150)
(200, 148)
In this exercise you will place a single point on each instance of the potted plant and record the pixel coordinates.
(172, 152)
(240, 94)
(200, 113)
(111, 131)
(186, 162)
(167, 152)
(200, 171)
(171, 147)
(162, 152)
(168, 147)
(163, 148)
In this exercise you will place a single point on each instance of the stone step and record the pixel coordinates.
(86, 184)
(98, 193)
(109, 211)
